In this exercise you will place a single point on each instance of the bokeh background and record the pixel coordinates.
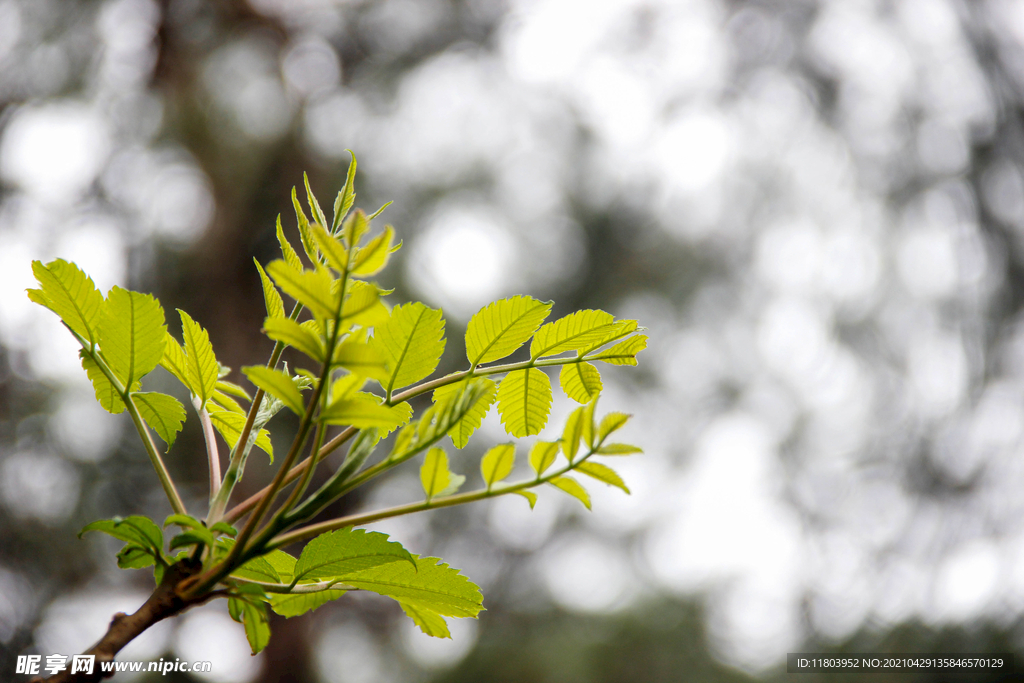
(816, 207)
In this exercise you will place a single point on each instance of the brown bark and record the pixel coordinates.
(163, 603)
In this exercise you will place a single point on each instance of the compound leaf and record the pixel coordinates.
(524, 401)
(132, 334)
(411, 342)
(163, 413)
(580, 381)
(348, 552)
(71, 294)
(501, 327)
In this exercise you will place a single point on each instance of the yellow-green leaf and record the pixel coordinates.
(497, 463)
(411, 342)
(290, 257)
(132, 334)
(230, 426)
(314, 205)
(272, 298)
(623, 353)
(572, 434)
(358, 357)
(573, 488)
(278, 384)
(225, 402)
(470, 422)
(580, 381)
(529, 496)
(308, 244)
(610, 423)
(233, 389)
(106, 393)
(575, 331)
(295, 335)
(174, 360)
(163, 413)
(346, 196)
(257, 626)
(311, 288)
(618, 330)
(200, 362)
(354, 227)
(430, 584)
(71, 294)
(332, 248)
(503, 326)
(436, 478)
(618, 449)
(588, 423)
(347, 552)
(602, 473)
(362, 305)
(524, 401)
(542, 456)
(294, 604)
(429, 621)
(363, 411)
(372, 258)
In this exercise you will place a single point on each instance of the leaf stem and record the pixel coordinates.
(212, 452)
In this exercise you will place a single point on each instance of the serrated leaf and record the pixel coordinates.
(430, 622)
(602, 473)
(346, 196)
(623, 353)
(610, 423)
(573, 488)
(230, 426)
(272, 298)
(257, 626)
(295, 604)
(348, 552)
(135, 529)
(354, 227)
(314, 205)
(277, 384)
(225, 402)
(258, 569)
(132, 334)
(497, 463)
(575, 331)
(295, 335)
(530, 496)
(618, 330)
(436, 478)
(430, 584)
(332, 248)
(358, 357)
(363, 411)
(542, 456)
(174, 360)
(133, 557)
(234, 390)
(470, 422)
(308, 245)
(572, 434)
(106, 393)
(618, 449)
(311, 288)
(501, 327)
(163, 413)
(372, 258)
(289, 254)
(200, 362)
(580, 381)
(524, 401)
(71, 294)
(362, 305)
(411, 342)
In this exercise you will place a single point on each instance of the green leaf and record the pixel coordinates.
(132, 556)
(618, 330)
(257, 626)
(332, 248)
(136, 529)
(362, 305)
(71, 294)
(575, 331)
(379, 212)
(623, 353)
(308, 244)
(295, 335)
(106, 393)
(430, 622)
(225, 402)
(314, 205)
(173, 360)
(224, 528)
(201, 363)
(618, 449)
(272, 298)
(610, 423)
(230, 425)
(290, 257)
(354, 227)
(311, 288)
(580, 381)
(572, 434)
(234, 390)
(529, 496)
(372, 258)
(470, 422)
(346, 196)
(283, 564)
(348, 552)
(294, 604)
(497, 463)
(411, 342)
(193, 537)
(278, 384)
(602, 473)
(435, 476)
(429, 584)
(163, 413)
(358, 357)
(132, 334)
(524, 401)
(437, 420)
(365, 410)
(542, 456)
(573, 488)
(258, 569)
(503, 326)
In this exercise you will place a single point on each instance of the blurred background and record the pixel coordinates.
(816, 207)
